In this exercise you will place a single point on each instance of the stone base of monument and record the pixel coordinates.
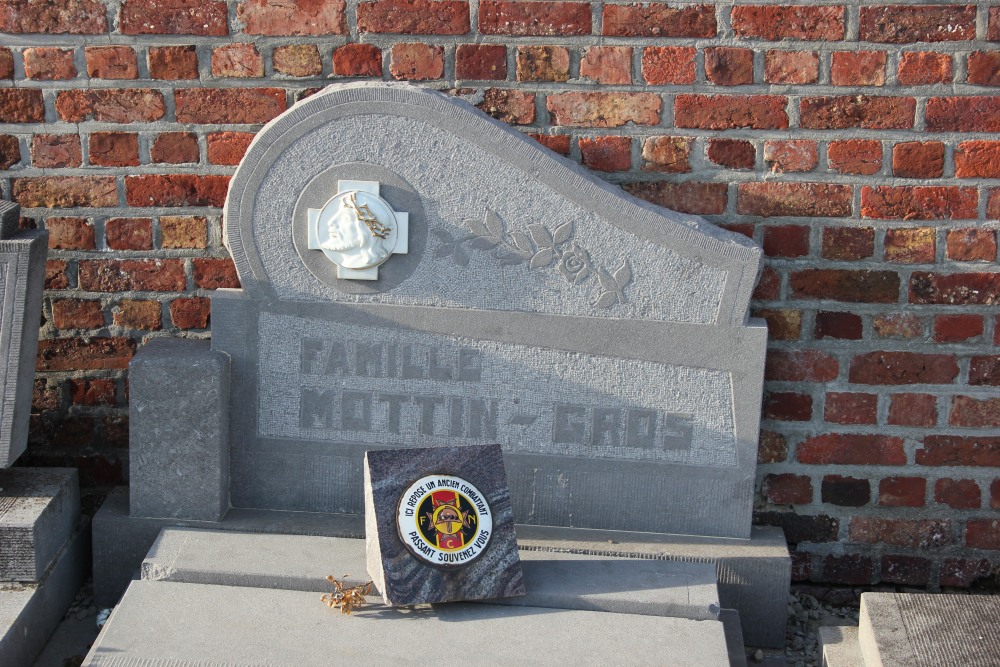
(44, 548)
(918, 630)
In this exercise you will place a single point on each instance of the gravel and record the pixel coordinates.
(806, 614)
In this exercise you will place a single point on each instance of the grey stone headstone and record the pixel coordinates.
(604, 342)
(407, 492)
(22, 275)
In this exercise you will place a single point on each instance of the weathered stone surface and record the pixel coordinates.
(39, 510)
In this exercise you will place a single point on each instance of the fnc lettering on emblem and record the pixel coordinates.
(358, 230)
(444, 521)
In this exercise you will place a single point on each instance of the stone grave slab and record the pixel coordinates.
(438, 525)
(840, 646)
(926, 630)
(160, 622)
(39, 510)
(604, 342)
(22, 274)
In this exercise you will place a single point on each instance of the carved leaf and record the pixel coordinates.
(461, 257)
(443, 235)
(562, 233)
(509, 259)
(606, 300)
(443, 250)
(522, 241)
(494, 224)
(607, 282)
(541, 236)
(624, 274)
(541, 258)
(477, 228)
(484, 243)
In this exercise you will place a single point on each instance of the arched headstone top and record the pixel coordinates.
(493, 221)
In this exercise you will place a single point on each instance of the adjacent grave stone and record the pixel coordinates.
(439, 526)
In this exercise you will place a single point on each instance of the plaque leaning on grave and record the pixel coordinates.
(439, 525)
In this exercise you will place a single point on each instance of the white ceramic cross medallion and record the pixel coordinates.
(358, 230)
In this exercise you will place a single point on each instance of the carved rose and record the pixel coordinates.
(575, 264)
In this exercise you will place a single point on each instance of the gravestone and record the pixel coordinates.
(414, 273)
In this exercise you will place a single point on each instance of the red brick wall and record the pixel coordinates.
(857, 143)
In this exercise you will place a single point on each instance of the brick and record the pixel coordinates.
(725, 112)
(768, 285)
(851, 449)
(897, 325)
(73, 17)
(788, 489)
(21, 105)
(687, 197)
(414, 17)
(791, 67)
(93, 392)
(774, 23)
(963, 114)
(70, 234)
(838, 325)
(114, 275)
(49, 64)
(912, 533)
(851, 569)
(138, 314)
(995, 494)
(732, 153)
(475, 62)
(977, 159)
(6, 63)
(514, 107)
(963, 573)
(920, 202)
(863, 111)
(659, 20)
(802, 566)
(542, 63)
(786, 241)
(65, 191)
(984, 68)
(771, 199)
(957, 328)
(600, 109)
(114, 149)
(534, 19)
(174, 17)
(554, 142)
(78, 354)
(912, 245)
(111, 62)
(858, 68)
(172, 63)
(955, 289)
(848, 243)
(666, 154)
(416, 62)
(608, 65)
(956, 450)
(607, 153)
(129, 233)
(215, 273)
(110, 105)
(175, 148)
(729, 66)
(913, 410)
(228, 105)
(237, 61)
(845, 491)
(801, 528)
(782, 324)
(55, 274)
(800, 366)
(10, 151)
(790, 155)
(297, 60)
(787, 406)
(772, 448)
(905, 570)
(50, 151)
(974, 412)
(176, 190)
(228, 147)
(666, 65)
(190, 313)
(899, 368)
(982, 534)
(285, 18)
(855, 156)
(993, 28)
(850, 408)
(904, 24)
(984, 371)
(902, 492)
(924, 68)
(916, 159)
(183, 231)
(960, 494)
(77, 314)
